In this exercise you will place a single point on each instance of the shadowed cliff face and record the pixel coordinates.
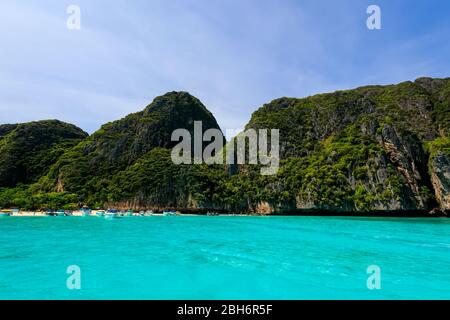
(407, 156)
(440, 178)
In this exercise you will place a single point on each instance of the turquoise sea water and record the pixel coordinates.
(224, 257)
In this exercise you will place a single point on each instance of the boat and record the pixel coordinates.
(169, 213)
(111, 214)
(145, 213)
(85, 211)
(5, 213)
(60, 213)
(100, 213)
(212, 213)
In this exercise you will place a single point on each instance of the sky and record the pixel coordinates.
(234, 55)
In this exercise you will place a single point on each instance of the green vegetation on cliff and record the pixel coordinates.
(27, 150)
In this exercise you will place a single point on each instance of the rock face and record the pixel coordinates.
(27, 150)
(409, 159)
(440, 178)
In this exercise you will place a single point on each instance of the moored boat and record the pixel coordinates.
(5, 213)
(85, 211)
(99, 213)
(111, 214)
(169, 213)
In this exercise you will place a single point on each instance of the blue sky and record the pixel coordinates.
(234, 55)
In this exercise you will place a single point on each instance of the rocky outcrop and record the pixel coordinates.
(406, 154)
(440, 178)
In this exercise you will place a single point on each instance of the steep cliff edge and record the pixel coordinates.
(439, 168)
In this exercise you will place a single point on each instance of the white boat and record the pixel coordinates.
(111, 214)
(169, 213)
(100, 213)
(85, 211)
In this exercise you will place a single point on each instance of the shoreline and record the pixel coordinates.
(318, 213)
